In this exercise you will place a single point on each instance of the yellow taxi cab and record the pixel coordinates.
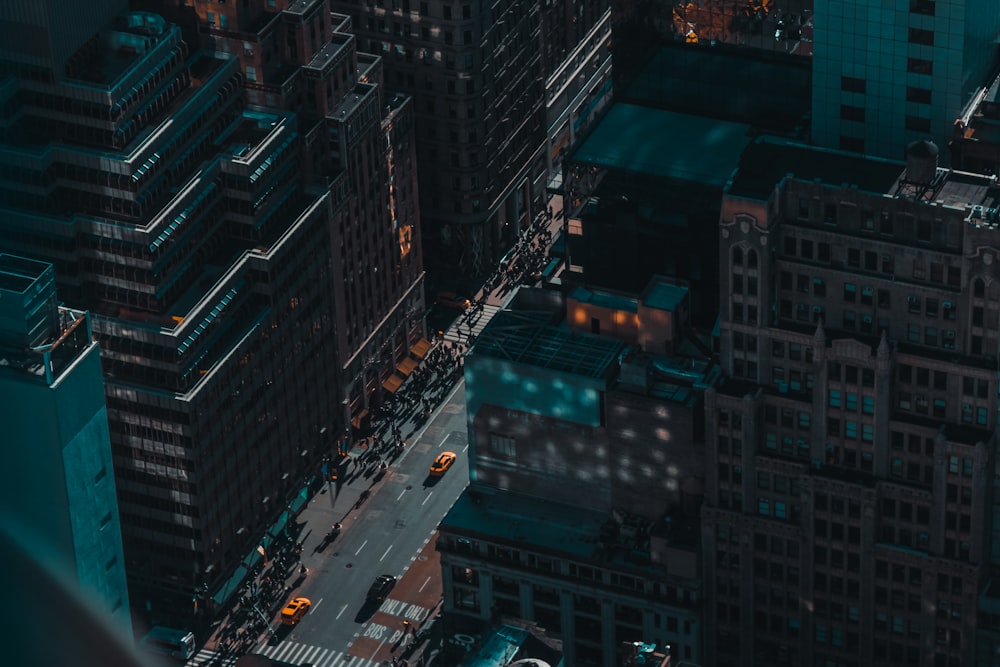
(442, 463)
(294, 611)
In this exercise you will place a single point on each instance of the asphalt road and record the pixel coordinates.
(390, 533)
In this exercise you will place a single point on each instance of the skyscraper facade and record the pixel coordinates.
(888, 74)
(585, 465)
(57, 485)
(360, 143)
(253, 268)
(481, 75)
(883, 74)
(847, 515)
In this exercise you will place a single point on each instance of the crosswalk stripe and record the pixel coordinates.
(282, 650)
(300, 652)
(288, 651)
(207, 656)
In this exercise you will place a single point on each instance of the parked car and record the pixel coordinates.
(380, 587)
(452, 300)
(294, 611)
(442, 463)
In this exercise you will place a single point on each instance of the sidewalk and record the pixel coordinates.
(329, 501)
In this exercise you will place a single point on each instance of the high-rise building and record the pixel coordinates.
(974, 146)
(885, 75)
(489, 81)
(635, 191)
(585, 470)
(57, 484)
(359, 142)
(848, 515)
(244, 227)
(882, 75)
(746, 61)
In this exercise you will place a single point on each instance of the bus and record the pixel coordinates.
(177, 644)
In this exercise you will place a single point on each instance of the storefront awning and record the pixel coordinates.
(392, 383)
(420, 348)
(406, 366)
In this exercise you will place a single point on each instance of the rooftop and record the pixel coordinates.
(329, 51)
(513, 518)
(250, 130)
(768, 90)
(498, 648)
(663, 294)
(104, 60)
(529, 337)
(664, 143)
(352, 100)
(957, 189)
(17, 273)
(300, 6)
(569, 531)
(605, 299)
(767, 160)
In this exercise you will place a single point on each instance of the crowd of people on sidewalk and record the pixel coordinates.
(526, 263)
(427, 386)
(529, 257)
(266, 590)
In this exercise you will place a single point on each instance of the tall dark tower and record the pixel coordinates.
(849, 497)
(243, 225)
(482, 74)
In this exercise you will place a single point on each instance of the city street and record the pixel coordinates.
(389, 533)
(388, 518)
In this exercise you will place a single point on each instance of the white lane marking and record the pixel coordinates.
(385, 554)
(421, 589)
(427, 498)
(361, 547)
(342, 610)
(400, 495)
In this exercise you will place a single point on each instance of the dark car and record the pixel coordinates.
(380, 587)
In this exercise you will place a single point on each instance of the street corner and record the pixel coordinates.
(390, 629)
(382, 638)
